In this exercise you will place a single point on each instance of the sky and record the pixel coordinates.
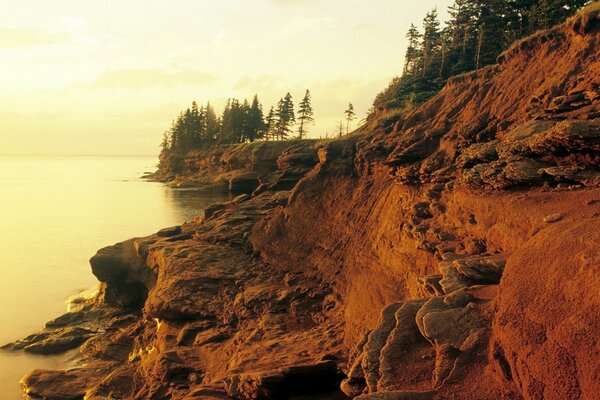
(107, 77)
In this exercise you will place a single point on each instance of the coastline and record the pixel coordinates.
(419, 258)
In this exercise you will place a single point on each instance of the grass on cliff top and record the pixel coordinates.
(278, 144)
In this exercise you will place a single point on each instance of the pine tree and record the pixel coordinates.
(350, 116)
(271, 125)
(305, 114)
(431, 41)
(285, 116)
(412, 51)
(255, 121)
(211, 124)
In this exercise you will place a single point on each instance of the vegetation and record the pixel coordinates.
(475, 34)
(240, 122)
(350, 116)
(305, 114)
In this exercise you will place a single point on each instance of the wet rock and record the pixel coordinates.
(59, 341)
(57, 385)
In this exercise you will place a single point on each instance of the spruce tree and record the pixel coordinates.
(255, 120)
(350, 116)
(211, 124)
(431, 41)
(412, 51)
(305, 114)
(285, 116)
(271, 125)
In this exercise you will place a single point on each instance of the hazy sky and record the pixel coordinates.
(107, 77)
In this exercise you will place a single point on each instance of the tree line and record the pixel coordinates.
(240, 122)
(473, 37)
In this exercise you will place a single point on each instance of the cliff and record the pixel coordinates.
(447, 254)
(240, 168)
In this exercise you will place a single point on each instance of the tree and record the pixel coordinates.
(473, 37)
(340, 129)
(350, 116)
(412, 51)
(211, 124)
(164, 145)
(431, 40)
(305, 114)
(285, 116)
(271, 125)
(255, 121)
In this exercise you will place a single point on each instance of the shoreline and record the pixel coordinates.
(439, 254)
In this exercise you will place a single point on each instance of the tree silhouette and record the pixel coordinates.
(305, 114)
(285, 117)
(350, 116)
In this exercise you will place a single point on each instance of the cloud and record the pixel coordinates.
(18, 37)
(140, 78)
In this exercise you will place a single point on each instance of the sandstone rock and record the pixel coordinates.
(56, 385)
(53, 341)
(553, 218)
(167, 232)
(376, 341)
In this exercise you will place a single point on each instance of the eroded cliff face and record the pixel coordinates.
(450, 253)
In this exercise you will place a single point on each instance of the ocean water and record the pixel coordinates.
(55, 212)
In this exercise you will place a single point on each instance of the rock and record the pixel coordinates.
(553, 218)
(52, 341)
(403, 340)
(241, 198)
(376, 341)
(544, 339)
(57, 385)
(59, 341)
(244, 183)
(483, 269)
(167, 232)
(421, 210)
(281, 383)
(210, 210)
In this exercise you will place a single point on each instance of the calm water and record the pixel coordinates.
(55, 212)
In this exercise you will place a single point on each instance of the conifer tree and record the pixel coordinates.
(271, 125)
(285, 116)
(350, 116)
(431, 41)
(305, 114)
(211, 124)
(412, 51)
(255, 121)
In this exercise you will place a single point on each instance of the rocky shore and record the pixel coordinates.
(447, 254)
